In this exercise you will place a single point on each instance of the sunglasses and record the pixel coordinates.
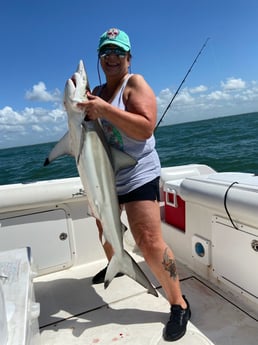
(108, 51)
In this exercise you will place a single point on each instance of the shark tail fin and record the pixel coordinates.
(129, 267)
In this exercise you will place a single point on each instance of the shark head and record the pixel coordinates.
(74, 93)
(75, 89)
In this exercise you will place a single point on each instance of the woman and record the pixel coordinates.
(127, 108)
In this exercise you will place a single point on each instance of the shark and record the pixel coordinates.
(97, 163)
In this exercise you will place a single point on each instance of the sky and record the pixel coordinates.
(43, 41)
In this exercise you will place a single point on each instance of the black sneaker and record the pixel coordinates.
(176, 326)
(100, 277)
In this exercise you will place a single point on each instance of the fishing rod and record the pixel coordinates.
(182, 82)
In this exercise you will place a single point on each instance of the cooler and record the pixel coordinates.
(174, 205)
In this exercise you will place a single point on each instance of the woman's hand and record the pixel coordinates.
(94, 107)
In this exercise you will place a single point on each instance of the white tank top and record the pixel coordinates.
(148, 166)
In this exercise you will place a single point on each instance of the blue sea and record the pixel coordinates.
(225, 144)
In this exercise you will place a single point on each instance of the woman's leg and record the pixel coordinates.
(145, 224)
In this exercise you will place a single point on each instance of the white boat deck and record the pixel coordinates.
(220, 280)
(81, 313)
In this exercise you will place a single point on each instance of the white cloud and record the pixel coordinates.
(233, 84)
(233, 96)
(37, 124)
(39, 93)
(184, 97)
(218, 95)
(31, 125)
(10, 117)
(199, 89)
(37, 128)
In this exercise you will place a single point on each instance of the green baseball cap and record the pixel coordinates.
(116, 37)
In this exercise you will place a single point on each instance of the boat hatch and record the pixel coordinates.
(45, 232)
(234, 248)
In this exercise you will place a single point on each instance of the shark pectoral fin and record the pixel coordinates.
(129, 267)
(60, 149)
(121, 159)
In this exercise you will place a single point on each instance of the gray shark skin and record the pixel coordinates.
(97, 163)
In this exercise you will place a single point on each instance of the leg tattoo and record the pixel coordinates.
(169, 265)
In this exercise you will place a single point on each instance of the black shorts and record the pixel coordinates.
(149, 191)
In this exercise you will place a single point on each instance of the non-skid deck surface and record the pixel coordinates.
(75, 312)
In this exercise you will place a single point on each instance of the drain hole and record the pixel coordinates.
(199, 249)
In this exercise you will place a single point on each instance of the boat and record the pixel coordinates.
(49, 252)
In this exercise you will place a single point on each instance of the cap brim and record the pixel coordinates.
(115, 43)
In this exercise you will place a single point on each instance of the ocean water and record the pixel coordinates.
(225, 144)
